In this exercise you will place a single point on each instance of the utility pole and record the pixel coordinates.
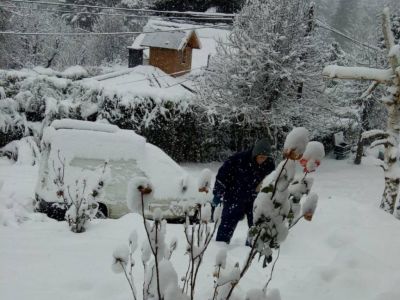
(389, 138)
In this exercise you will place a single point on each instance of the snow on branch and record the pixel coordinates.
(358, 73)
(375, 134)
(385, 142)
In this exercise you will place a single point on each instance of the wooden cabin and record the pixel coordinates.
(170, 51)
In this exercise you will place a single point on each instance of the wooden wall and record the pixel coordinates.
(171, 61)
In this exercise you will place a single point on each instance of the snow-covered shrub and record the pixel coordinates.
(160, 276)
(23, 151)
(37, 97)
(74, 73)
(80, 200)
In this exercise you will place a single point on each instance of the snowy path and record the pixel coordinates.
(349, 251)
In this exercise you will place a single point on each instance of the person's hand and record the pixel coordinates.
(217, 200)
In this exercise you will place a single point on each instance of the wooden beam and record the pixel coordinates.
(358, 73)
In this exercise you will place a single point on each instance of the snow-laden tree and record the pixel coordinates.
(24, 51)
(4, 15)
(135, 3)
(109, 48)
(390, 137)
(84, 17)
(270, 66)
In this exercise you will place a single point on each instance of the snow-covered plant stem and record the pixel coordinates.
(155, 249)
(279, 176)
(59, 178)
(129, 278)
(216, 284)
(272, 271)
(198, 238)
(246, 266)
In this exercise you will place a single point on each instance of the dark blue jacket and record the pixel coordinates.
(239, 176)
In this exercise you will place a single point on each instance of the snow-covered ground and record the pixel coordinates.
(349, 251)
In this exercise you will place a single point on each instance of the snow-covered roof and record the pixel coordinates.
(137, 42)
(175, 40)
(141, 81)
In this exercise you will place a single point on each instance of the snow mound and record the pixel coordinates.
(83, 125)
(75, 72)
(24, 151)
(15, 210)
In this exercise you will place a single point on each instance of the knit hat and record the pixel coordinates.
(262, 147)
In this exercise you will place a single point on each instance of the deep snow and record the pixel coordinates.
(349, 251)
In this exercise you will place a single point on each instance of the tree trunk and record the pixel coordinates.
(390, 194)
(360, 150)
(392, 180)
(365, 112)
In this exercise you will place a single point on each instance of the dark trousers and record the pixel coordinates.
(231, 215)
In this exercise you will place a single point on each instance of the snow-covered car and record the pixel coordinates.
(74, 154)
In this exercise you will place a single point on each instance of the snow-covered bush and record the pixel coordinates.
(37, 97)
(23, 151)
(80, 200)
(160, 276)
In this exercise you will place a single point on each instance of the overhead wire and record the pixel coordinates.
(106, 33)
(123, 8)
(334, 30)
(114, 14)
